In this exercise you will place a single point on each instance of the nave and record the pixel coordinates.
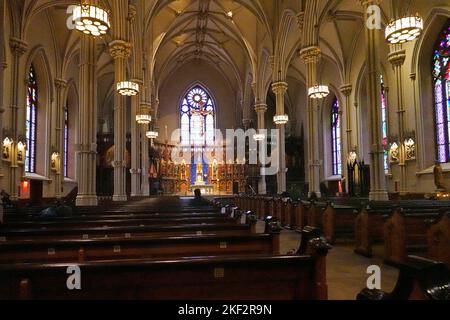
(213, 248)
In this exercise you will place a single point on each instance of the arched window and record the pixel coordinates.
(336, 138)
(66, 142)
(197, 118)
(31, 121)
(384, 121)
(441, 83)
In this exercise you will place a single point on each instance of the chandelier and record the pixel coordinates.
(152, 135)
(404, 29)
(143, 116)
(318, 92)
(128, 88)
(91, 20)
(281, 119)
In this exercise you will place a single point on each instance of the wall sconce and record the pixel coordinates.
(55, 161)
(352, 157)
(21, 146)
(7, 149)
(394, 153)
(410, 149)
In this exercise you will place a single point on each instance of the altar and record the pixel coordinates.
(200, 183)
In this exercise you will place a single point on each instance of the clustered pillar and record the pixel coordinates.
(120, 50)
(378, 190)
(280, 89)
(311, 57)
(87, 125)
(260, 110)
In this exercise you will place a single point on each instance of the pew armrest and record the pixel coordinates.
(372, 294)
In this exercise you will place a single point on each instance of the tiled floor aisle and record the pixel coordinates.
(346, 271)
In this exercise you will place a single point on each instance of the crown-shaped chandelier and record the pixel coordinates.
(91, 20)
(404, 29)
(152, 135)
(128, 88)
(318, 92)
(281, 119)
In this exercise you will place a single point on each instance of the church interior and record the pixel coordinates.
(225, 149)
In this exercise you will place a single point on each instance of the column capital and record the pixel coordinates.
(119, 49)
(132, 12)
(260, 108)
(279, 87)
(18, 46)
(397, 58)
(60, 83)
(413, 76)
(301, 19)
(310, 54)
(346, 89)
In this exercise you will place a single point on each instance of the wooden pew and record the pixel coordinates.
(438, 239)
(405, 233)
(118, 232)
(369, 229)
(300, 217)
(315, 212)
(419, 279)
(149, 221)
(338, 221)
(72, 251)
(128, 216)
(300, 276)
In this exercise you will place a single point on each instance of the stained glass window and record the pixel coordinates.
(31, 121)
(441, 82)
(336, 138)
(197, 118)
(384, 124)
(66, 142)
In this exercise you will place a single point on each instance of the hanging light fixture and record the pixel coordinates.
(318, 91)
(128, 88)
(281, 119)
(91, 20)
(143, 116)
(152, 135)
(404, 29)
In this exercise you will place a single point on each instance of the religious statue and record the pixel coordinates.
(439, 177)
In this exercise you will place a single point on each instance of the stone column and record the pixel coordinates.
(120, 50)
(61, 88)
(260, 110)
(378, 190)
(397, 59)
(136, 145)
(311, 57)
(18, 49)
(346, 90)
(280, 88)
(145, 186)
(3, 66)
(87, 125)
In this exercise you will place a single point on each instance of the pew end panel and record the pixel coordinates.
(419, 279)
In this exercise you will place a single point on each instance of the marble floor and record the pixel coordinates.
(346, 271)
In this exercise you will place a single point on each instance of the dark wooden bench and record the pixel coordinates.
(338, 221)
(369, 226)
(73, 251)
(130, 231)
(300, 276)
(419, 279)
(406, 233)
(438, 239)
(147, 221)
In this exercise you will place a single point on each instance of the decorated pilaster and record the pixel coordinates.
(378, 190)
(280, 89)
(260, 110)
(135, 146)
(18, 49)
(87, 124)
(397, 59)
(61, 92)
(120, 50)
(311, 57)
